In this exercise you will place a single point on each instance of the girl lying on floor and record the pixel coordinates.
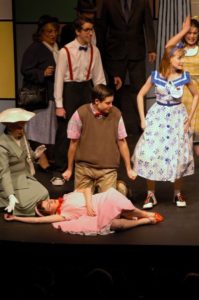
(80, 212)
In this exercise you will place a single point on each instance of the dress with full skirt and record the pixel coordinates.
(164, 151)
(42, 128)
(107, 205)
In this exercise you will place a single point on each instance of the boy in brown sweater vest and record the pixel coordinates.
(98, 138)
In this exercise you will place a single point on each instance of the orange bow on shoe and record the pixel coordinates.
(158, 217)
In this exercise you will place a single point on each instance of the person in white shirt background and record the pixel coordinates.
(79, 67)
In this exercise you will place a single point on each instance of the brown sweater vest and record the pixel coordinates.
(98, 144)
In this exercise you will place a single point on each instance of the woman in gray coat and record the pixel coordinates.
(19, 189)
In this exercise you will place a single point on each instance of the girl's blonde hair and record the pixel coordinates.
(169, 52)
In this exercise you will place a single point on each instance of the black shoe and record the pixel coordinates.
(48, 169)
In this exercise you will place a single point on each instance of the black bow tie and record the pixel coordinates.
(83, 48)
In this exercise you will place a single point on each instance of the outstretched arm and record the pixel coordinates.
(35, 220)
(178, 37)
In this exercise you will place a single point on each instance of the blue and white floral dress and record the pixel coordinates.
(164, 151)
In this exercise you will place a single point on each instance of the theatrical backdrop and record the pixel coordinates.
(18, 20)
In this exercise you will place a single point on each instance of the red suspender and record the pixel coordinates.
(90, 64)
(69, 63)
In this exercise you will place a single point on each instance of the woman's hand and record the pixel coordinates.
(60, 112)
(12, 202)
(49, 71)
(67, 174)
(117, 82)
(40, 150)
(90, 211)
(9, 217)
(186, 24)
(143, 124)
(186, 125)
(151, 57)
(132, 174)
(88, 201)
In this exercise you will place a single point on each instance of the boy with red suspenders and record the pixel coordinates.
(79, 67)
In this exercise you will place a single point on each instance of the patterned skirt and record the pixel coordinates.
(42, 128)
(164, 152)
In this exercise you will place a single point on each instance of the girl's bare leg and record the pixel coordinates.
(122, 224)
(136, 213)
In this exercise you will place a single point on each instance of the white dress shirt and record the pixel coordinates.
(80, 61)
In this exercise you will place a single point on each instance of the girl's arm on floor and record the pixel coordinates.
(35, 220)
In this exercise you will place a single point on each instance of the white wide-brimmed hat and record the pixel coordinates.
(13, 115)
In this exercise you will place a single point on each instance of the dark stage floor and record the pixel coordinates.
(141, 263)
(179, 228)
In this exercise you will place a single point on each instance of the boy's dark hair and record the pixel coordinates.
(100, 92)
(79, 22)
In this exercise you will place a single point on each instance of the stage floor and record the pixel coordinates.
(180, 227)
(144, 262)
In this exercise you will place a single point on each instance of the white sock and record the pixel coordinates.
(151, 192)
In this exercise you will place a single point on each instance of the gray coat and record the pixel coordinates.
(15, 177)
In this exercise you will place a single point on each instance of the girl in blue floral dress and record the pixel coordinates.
(164, 150)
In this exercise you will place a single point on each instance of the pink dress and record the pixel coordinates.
(107, 205)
